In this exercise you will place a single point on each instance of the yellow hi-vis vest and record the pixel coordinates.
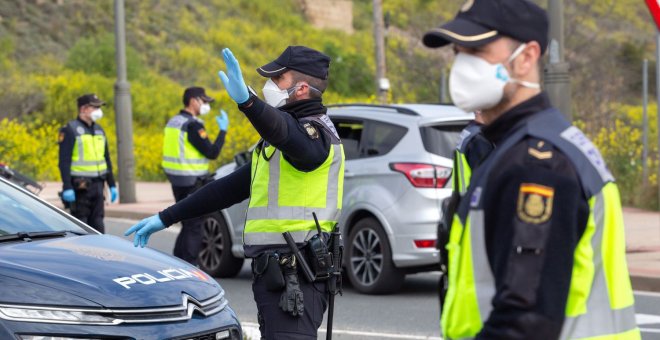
(600, 302)
(180, 157)
(462, 171)
(88, 157)
(283, 198)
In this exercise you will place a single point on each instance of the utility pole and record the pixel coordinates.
(382, 83)
(557, 72)
(657, 93)
(645, 124)
(123, 113)
(443, 87)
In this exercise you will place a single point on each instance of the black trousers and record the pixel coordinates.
(189, 241)
(88, 206)
(275, 324)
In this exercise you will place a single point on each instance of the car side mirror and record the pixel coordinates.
(242, 158)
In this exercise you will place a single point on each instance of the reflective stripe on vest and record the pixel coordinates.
(180, 157)
(283, 198)
(462, 171)
(88, 157)
(600, 303)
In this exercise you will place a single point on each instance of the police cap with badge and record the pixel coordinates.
(300, 58)
(479, 22)
(90, 99)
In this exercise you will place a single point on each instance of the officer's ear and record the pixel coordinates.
(302, 90)
(525, 66)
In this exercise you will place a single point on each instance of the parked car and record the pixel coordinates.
(398, 169)
(62, 280)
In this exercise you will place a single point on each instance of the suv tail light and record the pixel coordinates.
(423, 175)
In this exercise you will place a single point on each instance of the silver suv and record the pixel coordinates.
(398, 169)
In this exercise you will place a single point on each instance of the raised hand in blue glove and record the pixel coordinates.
(233, 80)
(223, 120)
(113, 194)
(144, 229)
(69, 195)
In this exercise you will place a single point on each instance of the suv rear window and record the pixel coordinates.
(382, 137)
(441, 139)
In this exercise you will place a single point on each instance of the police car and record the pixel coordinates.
(62, 280)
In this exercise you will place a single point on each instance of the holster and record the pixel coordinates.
(81, 183)
(267, 267)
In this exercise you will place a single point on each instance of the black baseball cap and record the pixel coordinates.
(196, 92)
(90, 99)
(300, 58)
(479, 22)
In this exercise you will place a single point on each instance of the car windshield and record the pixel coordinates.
(441, 139)
(22, 213)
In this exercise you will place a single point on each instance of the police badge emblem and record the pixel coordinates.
(311, 131)
(535, 203)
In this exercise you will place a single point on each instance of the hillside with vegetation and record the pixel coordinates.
(51, 51)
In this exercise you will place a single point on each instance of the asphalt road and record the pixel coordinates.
(412, 313)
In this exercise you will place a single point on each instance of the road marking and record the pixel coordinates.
(649, 330)
(645, 319)
(252, 331)
(654, 294)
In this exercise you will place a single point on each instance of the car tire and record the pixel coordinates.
(215, 257)
(369, 265)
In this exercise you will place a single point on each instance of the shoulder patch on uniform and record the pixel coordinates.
(60, 137)
(535, 203)
(202, 133)
(311, 131)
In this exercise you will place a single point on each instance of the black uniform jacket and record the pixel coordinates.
(198, 138)
(531, 284)
(278, 127)
(66, 140)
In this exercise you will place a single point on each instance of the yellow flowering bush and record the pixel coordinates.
(30, 148)
(621, 144)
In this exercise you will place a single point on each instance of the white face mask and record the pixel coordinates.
(475, 84)
(273, 95)
(204, 109)
(96, 114)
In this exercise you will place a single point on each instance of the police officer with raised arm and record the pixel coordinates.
(536, 248)
(296, 173)
(84, 163)
(186, 153)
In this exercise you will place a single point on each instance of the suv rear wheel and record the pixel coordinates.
(215, 257)
(369, 259)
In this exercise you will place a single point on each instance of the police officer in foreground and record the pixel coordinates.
(84, 163)
(296, 170)
(536, 250)
(186, 153)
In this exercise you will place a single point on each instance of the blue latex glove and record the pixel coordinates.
(234, 83)
(69, 195)
(113, 194)
(223, 120)
(144, 229)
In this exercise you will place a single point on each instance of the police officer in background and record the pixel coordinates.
(186, 153)
(84, 163)
(536, 250)
(296, 170)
